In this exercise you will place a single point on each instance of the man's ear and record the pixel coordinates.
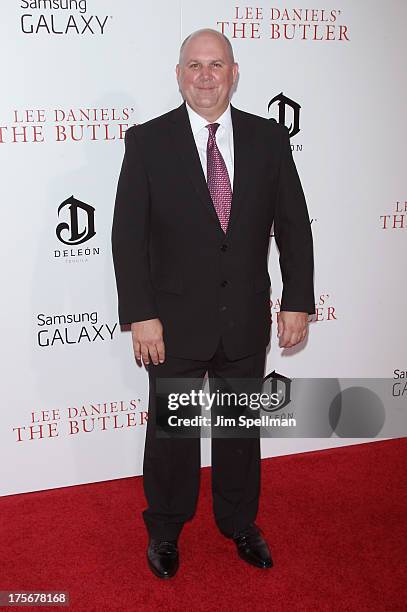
(235, 71)
(177, 70)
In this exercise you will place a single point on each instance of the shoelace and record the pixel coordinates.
(246, 534)
(165, 547)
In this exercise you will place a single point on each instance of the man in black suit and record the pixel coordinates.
(199, 190)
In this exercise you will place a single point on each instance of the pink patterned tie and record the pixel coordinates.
(218, 178)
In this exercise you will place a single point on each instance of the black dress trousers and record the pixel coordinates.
(172, 465)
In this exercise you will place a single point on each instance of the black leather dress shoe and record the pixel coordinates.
(162, 557)
(252, 547)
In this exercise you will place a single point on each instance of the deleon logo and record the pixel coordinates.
(277, 383)
(81, 225)
(283, 103)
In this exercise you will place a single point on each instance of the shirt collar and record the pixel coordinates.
(198, 122)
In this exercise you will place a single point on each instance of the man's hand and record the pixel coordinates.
(148, 341)
(291, 327)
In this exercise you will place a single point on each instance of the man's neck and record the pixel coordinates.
(206, 114)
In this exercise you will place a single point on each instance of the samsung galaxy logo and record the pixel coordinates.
(74, 21)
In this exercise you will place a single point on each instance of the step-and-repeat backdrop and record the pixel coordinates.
(75, 76)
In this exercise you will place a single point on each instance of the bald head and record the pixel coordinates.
(206, 72)
(208, 32)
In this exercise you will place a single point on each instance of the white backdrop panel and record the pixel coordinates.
(349, 153)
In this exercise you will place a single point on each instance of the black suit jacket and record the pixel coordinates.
(173, 261)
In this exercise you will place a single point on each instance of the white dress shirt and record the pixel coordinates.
(224, 138)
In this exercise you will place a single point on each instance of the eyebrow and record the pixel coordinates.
(191, 61)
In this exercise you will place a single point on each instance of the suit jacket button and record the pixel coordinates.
(222, 308)
(224, 248)
(224, 283)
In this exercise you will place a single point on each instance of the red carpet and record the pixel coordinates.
(335, 521)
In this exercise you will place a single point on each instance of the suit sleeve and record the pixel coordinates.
(292, 231)
(130, 237)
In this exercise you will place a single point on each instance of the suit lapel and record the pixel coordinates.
(243, 160)
(184, 144)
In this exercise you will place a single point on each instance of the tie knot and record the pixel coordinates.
(212, 127)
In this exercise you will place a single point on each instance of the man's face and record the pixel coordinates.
(206, 74)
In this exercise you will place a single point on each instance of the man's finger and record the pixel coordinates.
(137, 350)
(152, 349)
(295, 338)
(161, 351)
(284, 338)
(280, 326)
(145, 355)
(290, 339)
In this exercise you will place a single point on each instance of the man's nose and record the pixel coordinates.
(206, 73)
